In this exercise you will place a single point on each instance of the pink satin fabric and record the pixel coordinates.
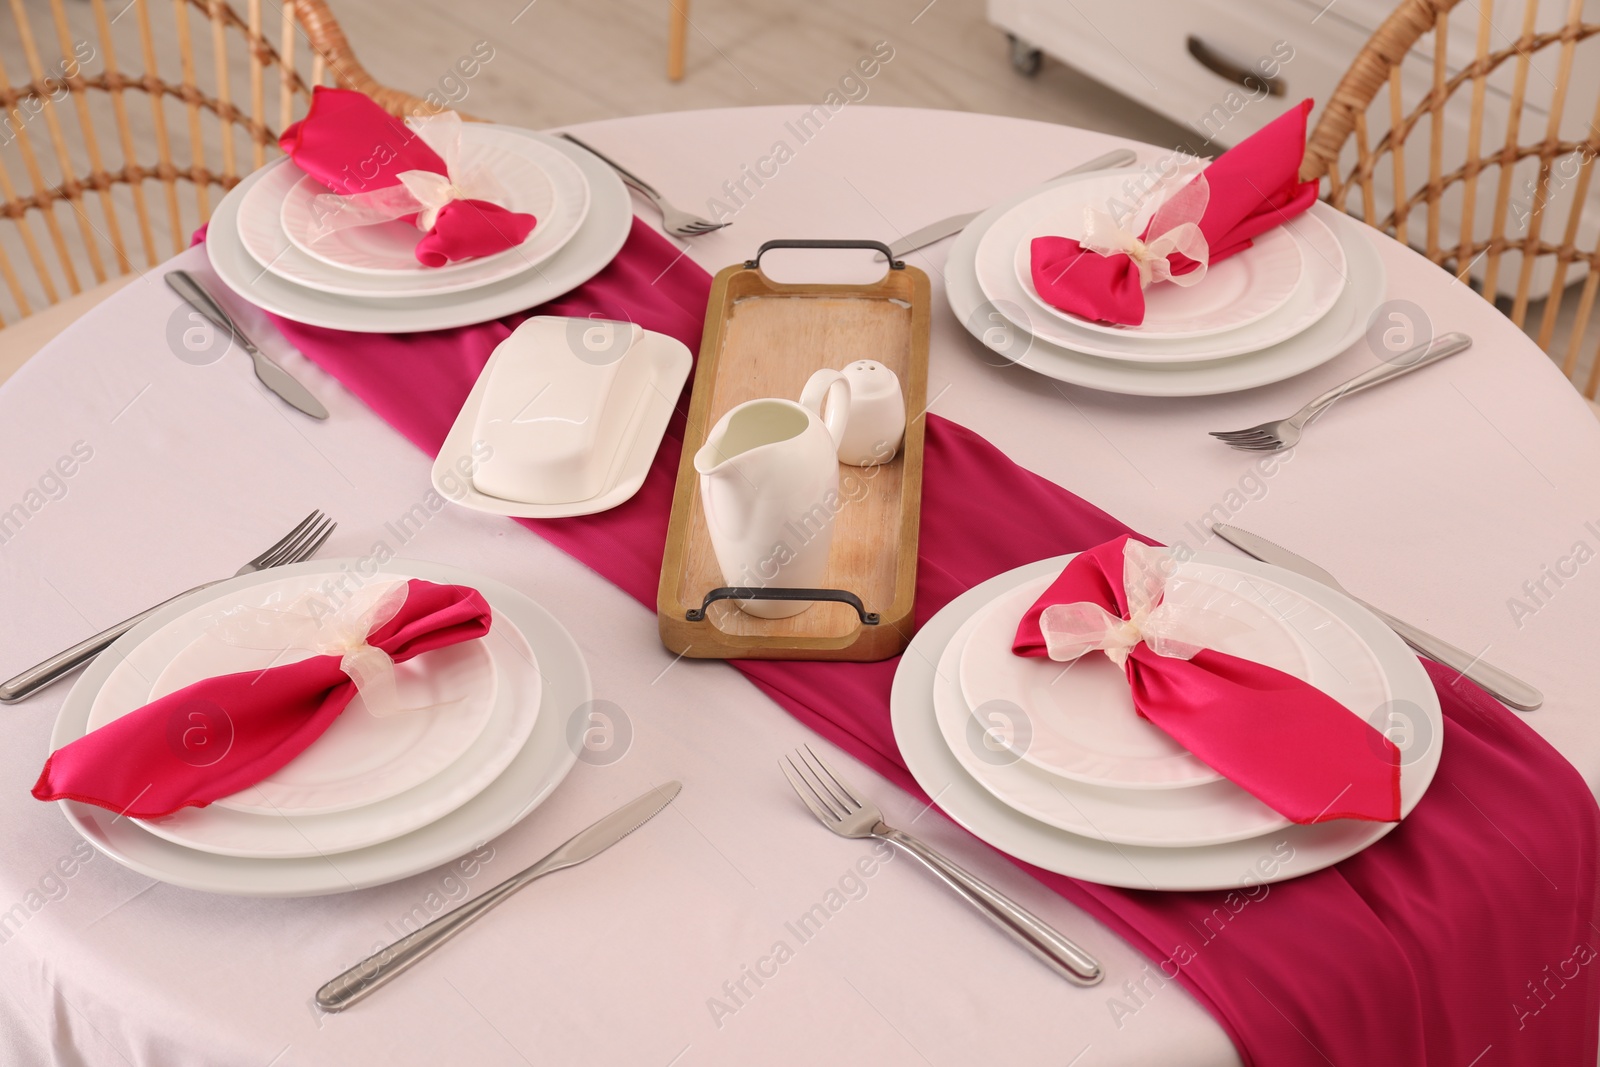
(1254, 186)
(220, 735)
(1418, 951)
(351, 145)
(1287, 743)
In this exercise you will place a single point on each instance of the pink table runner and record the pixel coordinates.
(1463, 937)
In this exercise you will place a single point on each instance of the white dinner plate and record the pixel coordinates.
(995, 325)
(537, 767)
(1321, 282)
(598, 240)
(1240, 290)
(537, 179)
(1245, 615)
(360, 758)
(1289, 853)
(242, 825)
(669, 361)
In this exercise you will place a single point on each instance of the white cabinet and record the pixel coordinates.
(1223, 69)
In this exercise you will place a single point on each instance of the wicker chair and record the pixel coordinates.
(122, 162)
(1516, 261)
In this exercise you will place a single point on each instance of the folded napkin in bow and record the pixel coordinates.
(220, 735)
(1290, 745)
(1249, 189)
(383, 169)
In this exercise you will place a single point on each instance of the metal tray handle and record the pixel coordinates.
(744, 592)
(808, 242)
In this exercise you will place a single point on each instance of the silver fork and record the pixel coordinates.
(298, 544)
(1285, 433)
(674, 220)
(842, 810)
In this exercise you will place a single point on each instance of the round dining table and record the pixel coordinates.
(1464, 498)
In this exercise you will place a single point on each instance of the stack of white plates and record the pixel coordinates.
(1299, 296)
(264, 244)
(1050, 762)
(373, 799)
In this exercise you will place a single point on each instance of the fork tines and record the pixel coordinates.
(817, 785)
(1261, 438)
(299, 543)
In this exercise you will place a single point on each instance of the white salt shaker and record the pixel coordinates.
(877, 411)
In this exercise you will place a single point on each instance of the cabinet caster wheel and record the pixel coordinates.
(1025, 59)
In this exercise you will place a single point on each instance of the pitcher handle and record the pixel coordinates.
(830, 390)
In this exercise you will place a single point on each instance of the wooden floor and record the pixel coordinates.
(565, 61)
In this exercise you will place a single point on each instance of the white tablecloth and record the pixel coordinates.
(1439, 497)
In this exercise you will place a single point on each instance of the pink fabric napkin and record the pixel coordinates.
(152, 762)
(1468, 927)
(1289, 744)
(351, 145)
(1254, 186)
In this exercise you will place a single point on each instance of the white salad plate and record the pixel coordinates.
(286, 190)
(338, 764)
(1212, 813)
(596, 243)
(1080, 718)
(1244, 615)
(1271, 857)
(534, 770)
(266, 243)
(538, 180)
(664, 359)
(1240, 290)
(1313, 296)
(994, 324)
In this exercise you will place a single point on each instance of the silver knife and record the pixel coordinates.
(379, 968)
(953, 225)
(1508, 688)
(272, 376)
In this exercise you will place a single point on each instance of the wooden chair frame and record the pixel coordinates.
(48, 88)
(1379, 65)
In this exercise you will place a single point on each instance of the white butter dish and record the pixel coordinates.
(564, 420)
(560, 392)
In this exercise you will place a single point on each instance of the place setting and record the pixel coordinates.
(1072, 279)
(442, 223)
(266, 737)
(1053, 748)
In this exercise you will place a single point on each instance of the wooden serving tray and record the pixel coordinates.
(764, 339)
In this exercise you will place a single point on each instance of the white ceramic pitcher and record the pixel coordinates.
(769, 484)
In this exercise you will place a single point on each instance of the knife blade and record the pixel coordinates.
(382, 966)
(270, 374)
(283, 383)
(953, 225)
(1505, 687)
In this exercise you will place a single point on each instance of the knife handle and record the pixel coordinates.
(378, 969)
(1506, 687)
(195, 295)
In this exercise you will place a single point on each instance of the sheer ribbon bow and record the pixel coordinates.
(422, 193)
(1181, 196)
